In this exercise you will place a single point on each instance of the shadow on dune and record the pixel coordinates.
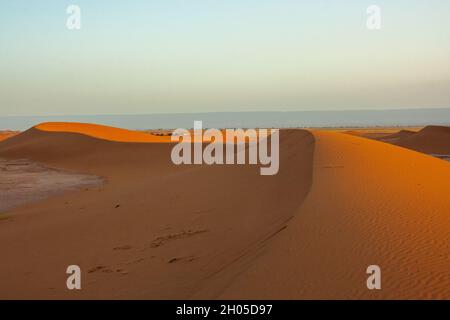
(431, 139)
(208, 221)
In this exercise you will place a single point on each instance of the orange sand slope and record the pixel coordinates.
(102, 132)
(370, 203)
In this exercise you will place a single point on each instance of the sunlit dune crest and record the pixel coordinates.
(102, 132)
(123, 135)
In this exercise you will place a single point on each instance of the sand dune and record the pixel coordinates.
(370, 203)
(431, 139)
(394, 137)
(156, 230)
(382, 134)
(119, 135)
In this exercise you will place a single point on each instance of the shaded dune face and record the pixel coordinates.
(394, 137)
(386, 134)
(75, 151)
(154, 230)
(431, 139)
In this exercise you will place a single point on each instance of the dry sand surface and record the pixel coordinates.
(23, 181)
(158, 231)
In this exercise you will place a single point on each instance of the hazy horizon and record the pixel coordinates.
(243, 119)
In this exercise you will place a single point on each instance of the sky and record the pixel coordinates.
(171, 56)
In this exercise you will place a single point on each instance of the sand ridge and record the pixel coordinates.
(123, 135)
(370, 203)
(102, 132)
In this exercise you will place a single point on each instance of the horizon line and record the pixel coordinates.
(221, 112)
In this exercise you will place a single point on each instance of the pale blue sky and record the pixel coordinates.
(221, 55)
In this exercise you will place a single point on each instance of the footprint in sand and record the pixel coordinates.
(183, 234)
(105, 269)
(121, 271)
(180, 259)
(98, 268)
(124, 247)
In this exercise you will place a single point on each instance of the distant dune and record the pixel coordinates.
(7, 134)
(102, 132)
(382, 134)
(431, 139)
(394, 137)
(158, 231)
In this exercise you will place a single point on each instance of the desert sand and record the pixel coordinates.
(154, 230)
(370, 203)
(23, 181)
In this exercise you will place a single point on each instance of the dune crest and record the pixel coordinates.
(123, 135)
(102, 132)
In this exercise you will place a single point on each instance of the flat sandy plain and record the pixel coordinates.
(141, 227)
